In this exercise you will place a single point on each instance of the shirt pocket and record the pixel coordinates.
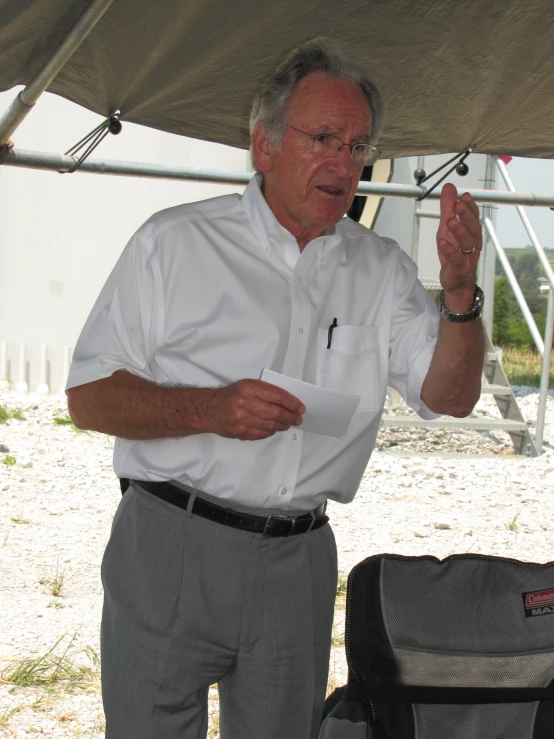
(351, 364)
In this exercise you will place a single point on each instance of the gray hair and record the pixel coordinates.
(317, 55)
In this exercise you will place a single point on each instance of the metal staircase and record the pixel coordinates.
(494, 383)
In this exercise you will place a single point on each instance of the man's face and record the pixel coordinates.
(307, 192)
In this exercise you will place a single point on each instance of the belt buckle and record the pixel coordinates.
(273, 517)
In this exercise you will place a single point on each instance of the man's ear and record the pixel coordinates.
(262, 148)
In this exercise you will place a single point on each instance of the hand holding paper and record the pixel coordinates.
(328, 412)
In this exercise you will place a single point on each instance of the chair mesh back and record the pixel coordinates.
(464, 645)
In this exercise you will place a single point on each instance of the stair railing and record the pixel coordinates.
(546, 352)
(544, 347)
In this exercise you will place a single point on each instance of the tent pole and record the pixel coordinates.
(23, 103)
(487, 263)
(61, 163)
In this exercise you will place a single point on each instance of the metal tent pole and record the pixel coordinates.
(61, 163)
(545, 373)
(488, 256)
(23, 103)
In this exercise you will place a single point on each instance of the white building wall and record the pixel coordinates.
(395, 216)
(60, 234)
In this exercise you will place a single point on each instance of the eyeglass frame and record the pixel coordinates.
(369, 148)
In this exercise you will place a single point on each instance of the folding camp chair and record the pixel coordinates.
(461, 648)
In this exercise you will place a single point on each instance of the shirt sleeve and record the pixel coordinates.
(414, 332)
(125, 323)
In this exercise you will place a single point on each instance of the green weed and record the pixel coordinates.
(54, 584)
(66, 421)
(56, 671)
(6, 415)
(19, 519)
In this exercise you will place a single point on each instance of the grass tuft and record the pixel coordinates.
(7, 714)
(9, 461)
(62, 421)
(52, 670)
(66, 421)
(19, 519)
(6, 415)
(55, 604)
(55, 584)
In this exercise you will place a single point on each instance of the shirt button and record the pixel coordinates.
(300, 330)
(284, 491)
(282, 234)
(268, 250)
(294, 437)
(299, 280)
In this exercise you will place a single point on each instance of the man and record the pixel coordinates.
(227, 573)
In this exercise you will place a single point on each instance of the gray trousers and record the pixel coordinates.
(189, 603)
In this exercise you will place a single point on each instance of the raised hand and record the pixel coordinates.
(459, 244)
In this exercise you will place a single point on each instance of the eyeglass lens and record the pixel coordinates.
(329, 145)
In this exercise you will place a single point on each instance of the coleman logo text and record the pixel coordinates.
(543, 598)
(538, 602)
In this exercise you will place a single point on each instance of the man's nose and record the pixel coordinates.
(343, 161)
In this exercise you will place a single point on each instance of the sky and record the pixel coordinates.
(528, 175)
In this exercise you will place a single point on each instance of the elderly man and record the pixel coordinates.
(221, 567)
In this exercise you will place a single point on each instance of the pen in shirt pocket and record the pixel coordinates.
(330, 332)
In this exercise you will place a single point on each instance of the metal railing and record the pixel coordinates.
(546, 352)
(544, 347)
(21, 385)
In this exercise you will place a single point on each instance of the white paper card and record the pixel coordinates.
(328, 412)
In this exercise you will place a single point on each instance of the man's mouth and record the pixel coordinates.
(336, 191)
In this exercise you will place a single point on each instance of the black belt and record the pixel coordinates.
(273, 525)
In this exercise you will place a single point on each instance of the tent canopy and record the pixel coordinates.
(452, 72)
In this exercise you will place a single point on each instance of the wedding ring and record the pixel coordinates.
(470, 251)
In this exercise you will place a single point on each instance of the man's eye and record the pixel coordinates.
(321, 138)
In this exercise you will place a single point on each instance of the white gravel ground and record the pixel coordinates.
(58, 499)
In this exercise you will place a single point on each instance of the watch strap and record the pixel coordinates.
(472, 315)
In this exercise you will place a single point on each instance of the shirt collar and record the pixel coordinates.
(258, 211)
(264, 222)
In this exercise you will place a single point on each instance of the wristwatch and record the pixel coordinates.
(471, 315)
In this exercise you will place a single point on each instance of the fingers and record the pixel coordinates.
(467, 213)
(276, 395)
(268, 416)
(259, 409)
(448, 199)
(460, 226)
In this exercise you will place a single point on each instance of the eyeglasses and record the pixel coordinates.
(329, 145)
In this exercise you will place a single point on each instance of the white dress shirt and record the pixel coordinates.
(208, 293)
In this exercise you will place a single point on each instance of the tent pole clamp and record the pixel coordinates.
(92, 139)
(461, 168)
